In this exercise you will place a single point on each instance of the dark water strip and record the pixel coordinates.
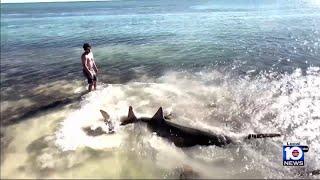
(61, 102)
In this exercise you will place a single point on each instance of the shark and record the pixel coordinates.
(181, 136)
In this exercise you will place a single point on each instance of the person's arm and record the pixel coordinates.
(94, 65)
(85, 64)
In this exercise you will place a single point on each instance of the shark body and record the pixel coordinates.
(182, 136)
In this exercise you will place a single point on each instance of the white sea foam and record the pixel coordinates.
(269, 103)
(288, 104)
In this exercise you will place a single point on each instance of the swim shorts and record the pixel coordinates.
(87, 75)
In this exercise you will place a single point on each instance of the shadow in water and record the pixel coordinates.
(46, 159)
(9, 120)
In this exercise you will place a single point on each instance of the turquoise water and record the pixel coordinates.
(46, 37)
(252, 60)
(42, 42)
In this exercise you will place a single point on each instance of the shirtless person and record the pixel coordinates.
(89, 67)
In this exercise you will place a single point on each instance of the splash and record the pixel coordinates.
(270, 102)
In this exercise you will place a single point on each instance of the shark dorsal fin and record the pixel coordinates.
(105, 115)
(131, 117)
(158, 117)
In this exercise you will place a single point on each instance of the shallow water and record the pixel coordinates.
(58, 147)
(230, 68)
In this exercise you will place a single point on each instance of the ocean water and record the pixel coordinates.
(230, 67)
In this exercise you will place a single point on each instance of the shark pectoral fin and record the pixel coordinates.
(105, 115)
(256, 136)
(158, 117)
(131, 117)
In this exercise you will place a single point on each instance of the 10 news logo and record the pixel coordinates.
(293, 154)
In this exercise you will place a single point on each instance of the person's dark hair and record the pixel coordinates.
(86, 45)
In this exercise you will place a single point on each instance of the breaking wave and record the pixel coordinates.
(268, 102)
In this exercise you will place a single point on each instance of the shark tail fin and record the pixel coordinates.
(131, 117)
(158, 117)
(265, 135)
(105, 115)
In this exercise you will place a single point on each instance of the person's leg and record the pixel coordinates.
(95, 85)
(90, 87)
(90, 82)
(95, 82)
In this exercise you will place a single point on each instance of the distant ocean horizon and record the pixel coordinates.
(228, 66)
(55, 1)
